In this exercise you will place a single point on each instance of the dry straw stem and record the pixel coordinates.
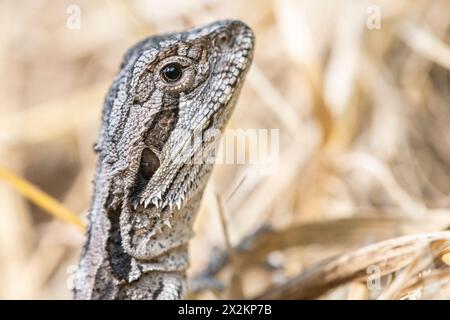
(424, 279)
(42, 199)
(235, 288)
(357, 291)
(388, 256)
(341, 233)
(425, 43)
(446, 258)
(48, 121)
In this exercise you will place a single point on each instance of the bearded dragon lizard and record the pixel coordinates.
(170, 89)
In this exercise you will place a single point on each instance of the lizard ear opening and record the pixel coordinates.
(149, 163)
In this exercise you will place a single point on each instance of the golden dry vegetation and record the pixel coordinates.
(364, 147)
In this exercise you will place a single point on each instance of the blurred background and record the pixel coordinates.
(359, 91)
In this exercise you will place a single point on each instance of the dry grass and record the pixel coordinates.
(364, 145)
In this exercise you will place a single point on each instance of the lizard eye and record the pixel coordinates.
(172, 72)
(177, 74)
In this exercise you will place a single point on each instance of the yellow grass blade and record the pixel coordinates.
(42, 199)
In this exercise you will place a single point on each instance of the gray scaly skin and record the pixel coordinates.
(170, 89)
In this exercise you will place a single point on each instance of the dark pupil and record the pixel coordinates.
(172, 72)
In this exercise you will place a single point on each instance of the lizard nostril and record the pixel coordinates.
(223, 39)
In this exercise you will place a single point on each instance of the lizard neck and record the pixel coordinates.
(110, 267)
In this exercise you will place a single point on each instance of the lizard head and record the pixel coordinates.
(172, 95)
